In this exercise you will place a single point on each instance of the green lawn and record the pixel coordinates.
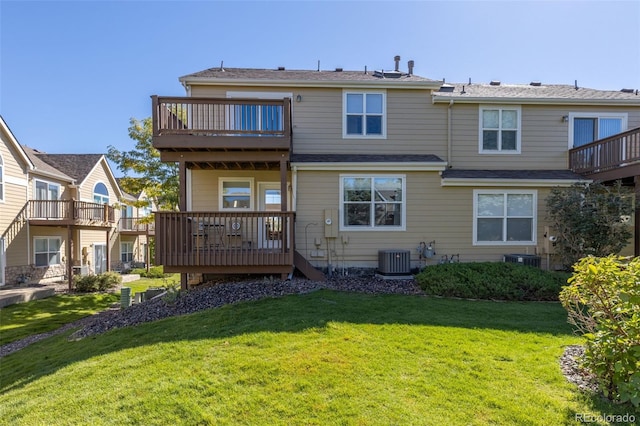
(144, 283)
(39, 316)
(321, 358)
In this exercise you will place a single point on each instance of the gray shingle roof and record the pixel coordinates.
(512, 174)
(544, 92)
(44, 167)
(65, 166)
(256, 74)
(364, 158)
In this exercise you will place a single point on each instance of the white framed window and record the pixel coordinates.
(500, 129)
(46, 251)
(126, 251)
(1, 179)
(46, 190)
(586, 127)
(373, 202)
(236, 193)
(100, 193)
(504, 217)
(364, 115)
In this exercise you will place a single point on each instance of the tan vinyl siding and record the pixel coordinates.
(443, 214)
(205, 186)
(414, 124)
(99, 174)
(544, 137)
(14, 181)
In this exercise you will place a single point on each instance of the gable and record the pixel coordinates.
(100, 173)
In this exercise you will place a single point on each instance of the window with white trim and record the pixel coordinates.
(372, 202)
(100, 193)
(500, 130)
(126, 251)
(364, 115)
(1, 179)
(47, 251)
(586, 127)
(504, 217)
(236, 193)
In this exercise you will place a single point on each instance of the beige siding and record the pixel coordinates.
(66, 193)
(414, 124)
(99, 174)
(544, 137)
(205, 186)
(443, 214)
(14, 183)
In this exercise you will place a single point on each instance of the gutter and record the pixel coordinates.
(204, 81)
(536, 101)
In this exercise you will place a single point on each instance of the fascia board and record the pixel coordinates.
(527, 183)
(203, 81)
(341, 166)
(536, 101)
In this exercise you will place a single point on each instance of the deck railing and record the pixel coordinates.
(70, 210)
(145, 224)
(221, 117)
(606, 154)
(224, 239)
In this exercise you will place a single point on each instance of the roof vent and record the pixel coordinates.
(626, 90)
(446, 88)
(338, 69)
(387, 74)
(410, 64)
(396, 59)
(535, 84)
(495, 82)
(280, 68)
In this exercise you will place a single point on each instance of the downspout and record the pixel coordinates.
(449, 147)
(294, 188)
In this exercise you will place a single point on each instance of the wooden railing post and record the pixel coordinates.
(154, 115)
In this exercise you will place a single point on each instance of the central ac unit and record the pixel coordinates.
(394, 262)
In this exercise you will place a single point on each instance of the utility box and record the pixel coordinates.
(331, 223)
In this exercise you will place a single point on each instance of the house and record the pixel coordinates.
(59, 215)
(341, 171)
(135, 229)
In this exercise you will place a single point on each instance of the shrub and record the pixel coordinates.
(491, 280)
(154, 272)
(101, 282)
(603, 301)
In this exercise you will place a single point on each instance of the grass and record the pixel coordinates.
(143, 284)
(319, 358)
(39, 316)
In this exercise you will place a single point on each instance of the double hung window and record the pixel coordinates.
(373, 202)
(236, 193)
(500, 130)
(364, 115)
(126, 251)
(47, 251)
(504, 217)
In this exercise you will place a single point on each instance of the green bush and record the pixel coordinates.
(93, 283)
(491, 280)
(603, 301)
(154, 272)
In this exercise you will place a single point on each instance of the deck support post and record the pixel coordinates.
(70, 256)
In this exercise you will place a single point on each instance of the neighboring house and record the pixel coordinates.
(135, 228)
(58, 215)
(349, 170)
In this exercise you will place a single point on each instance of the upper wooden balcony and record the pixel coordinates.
(185, 124)
(615, 157)
(69, 212)
(137, 225)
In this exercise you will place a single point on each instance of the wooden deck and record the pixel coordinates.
(615, 157)
(69, 213)
(225, 242)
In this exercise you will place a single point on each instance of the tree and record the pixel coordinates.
(590, 219)
(159, 180)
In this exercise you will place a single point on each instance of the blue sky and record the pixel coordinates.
(72, 74)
